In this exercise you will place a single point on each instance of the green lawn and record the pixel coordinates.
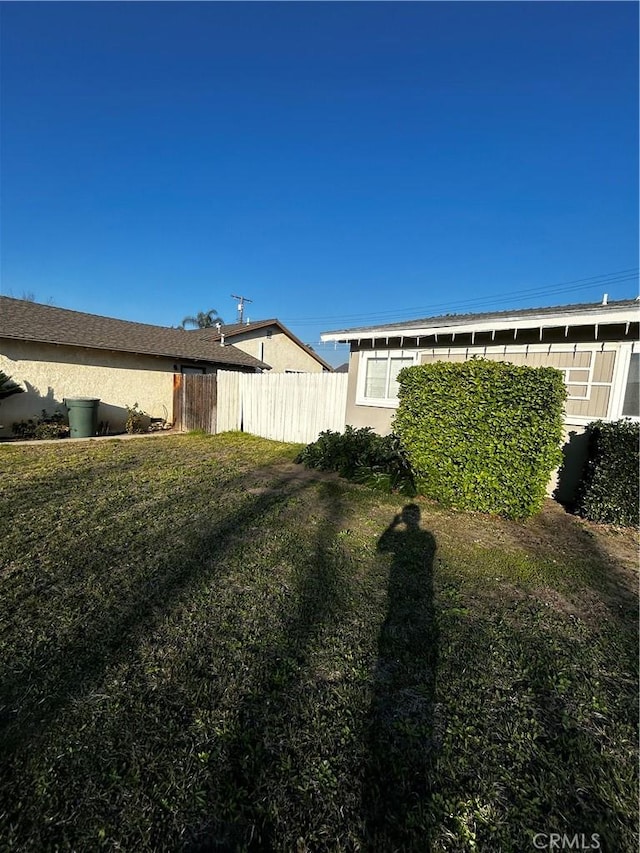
(206, 648)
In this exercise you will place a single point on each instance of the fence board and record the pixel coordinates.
(282, 406)
(229, 401)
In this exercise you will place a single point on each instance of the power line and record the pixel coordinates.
(241, 301)
(573, 286)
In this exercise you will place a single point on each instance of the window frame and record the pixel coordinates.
(619, 384)
(388, 355)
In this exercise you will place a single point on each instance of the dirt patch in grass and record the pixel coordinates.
(275, 477)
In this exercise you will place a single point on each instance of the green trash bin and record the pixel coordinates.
(83, 416)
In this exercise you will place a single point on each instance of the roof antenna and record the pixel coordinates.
(241, 301)
(605, 298)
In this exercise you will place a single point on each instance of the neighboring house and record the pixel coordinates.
(595, 346)
(270, 341)
(55, 354)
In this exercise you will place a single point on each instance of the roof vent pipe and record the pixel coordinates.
(222, 339)
(605, 298)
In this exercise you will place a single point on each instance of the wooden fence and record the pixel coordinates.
(195, 401)
(282, 406)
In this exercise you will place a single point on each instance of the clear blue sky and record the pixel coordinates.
(337, 163)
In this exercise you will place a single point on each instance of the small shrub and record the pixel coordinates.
(46, 426)
(361, 455)
(482, 435)
(137, 420)
(608, 492)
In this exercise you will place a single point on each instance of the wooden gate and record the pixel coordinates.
(195, 401)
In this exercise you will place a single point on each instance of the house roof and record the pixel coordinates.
(622, 311)
(232, 330)
(31, 321)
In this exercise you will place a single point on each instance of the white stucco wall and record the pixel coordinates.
(50, 373)
(278, 351)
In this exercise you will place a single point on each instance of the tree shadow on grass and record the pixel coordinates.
(33, 694)
(257, 782)
(401, 738)
(579, 553)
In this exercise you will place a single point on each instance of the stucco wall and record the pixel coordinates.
(362, 416)
(278, 351)
(51, 373)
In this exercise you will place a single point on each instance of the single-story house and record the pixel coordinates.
(55, 354)
(594, 345)
(270, 341)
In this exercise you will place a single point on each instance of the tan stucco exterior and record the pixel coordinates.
(52, 373)
(277, 350)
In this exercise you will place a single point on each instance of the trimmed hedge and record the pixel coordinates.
(482, 435)
(609, 489)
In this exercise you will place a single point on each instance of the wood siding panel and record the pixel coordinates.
(530, 359)
(596, 407)
(603, 367)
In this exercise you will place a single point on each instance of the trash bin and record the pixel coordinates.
(83, 416)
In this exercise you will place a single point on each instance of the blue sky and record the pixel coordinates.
(337, 163)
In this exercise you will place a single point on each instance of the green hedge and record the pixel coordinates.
(482, 435)
(609, 488)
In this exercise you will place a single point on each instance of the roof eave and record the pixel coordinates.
(629, 315)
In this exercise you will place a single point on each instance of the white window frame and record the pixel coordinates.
(380, 402)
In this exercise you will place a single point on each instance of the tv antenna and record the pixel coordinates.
(241, 301)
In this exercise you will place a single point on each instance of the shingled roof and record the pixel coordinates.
(30, 321)
(621, 311)
(229, 330)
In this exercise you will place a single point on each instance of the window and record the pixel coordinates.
(631, 404)
(378, 377)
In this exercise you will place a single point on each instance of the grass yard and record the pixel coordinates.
(205, 647)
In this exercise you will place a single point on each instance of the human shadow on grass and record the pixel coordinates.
(401, 739)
